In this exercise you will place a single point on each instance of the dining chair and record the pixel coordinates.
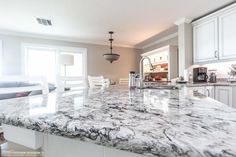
(123, 81)
(98, 81)
(66, 83)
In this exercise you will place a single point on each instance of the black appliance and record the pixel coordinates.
(200, 75)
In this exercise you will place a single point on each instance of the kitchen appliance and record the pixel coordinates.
(132, 79)
(200, 74)
(212, 76)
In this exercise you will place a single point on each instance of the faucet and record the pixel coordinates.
(141, 68)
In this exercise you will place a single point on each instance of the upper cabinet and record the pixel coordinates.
(227, 34)
(214, 36)
(205, 41)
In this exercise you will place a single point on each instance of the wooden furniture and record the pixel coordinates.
(124, 81)
(165, 62)
(98, 81)
(41, 84)
(214, 36)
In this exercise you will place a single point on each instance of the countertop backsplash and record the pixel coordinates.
(222, 69)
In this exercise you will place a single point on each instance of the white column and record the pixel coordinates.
(185, 42)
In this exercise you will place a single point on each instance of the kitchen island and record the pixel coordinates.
(147, 122)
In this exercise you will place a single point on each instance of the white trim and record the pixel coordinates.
(183, 20)
(1, 57)
(53, 47)
(168, 37)
(162, 49)
(59, 38)
(216, 13)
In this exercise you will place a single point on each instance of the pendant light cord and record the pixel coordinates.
(111, 40)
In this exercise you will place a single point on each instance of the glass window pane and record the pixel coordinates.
(41, 62)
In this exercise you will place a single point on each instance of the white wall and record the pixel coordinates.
(97, 65)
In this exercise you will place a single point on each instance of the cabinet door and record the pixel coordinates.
(200, 90)
(205, 41)
(224, 94)
(227, 35)
(210, 91)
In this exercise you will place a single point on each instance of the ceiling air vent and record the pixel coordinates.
(44, 22)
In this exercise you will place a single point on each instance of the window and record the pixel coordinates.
(43, 60)
(73, 70)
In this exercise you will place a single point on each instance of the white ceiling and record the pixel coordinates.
(90, 20)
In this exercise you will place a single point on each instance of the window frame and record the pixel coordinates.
(58, 50)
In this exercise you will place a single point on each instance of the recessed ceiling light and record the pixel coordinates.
(45, 22)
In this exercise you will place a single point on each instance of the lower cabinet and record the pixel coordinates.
(205, 90)
(225, 94)
(200, 90)
(210, 91)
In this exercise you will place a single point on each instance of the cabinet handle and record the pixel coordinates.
(208, 92)
(216, 54)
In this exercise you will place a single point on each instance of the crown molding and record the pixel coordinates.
(59, 38)
(183, 20)
(161, 40)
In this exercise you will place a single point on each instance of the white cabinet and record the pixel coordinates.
(210, 91)
(224, 94)
(227, 37)
(214, 36)
(200, 90)
(205, 41)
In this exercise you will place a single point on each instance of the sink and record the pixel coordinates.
(166, 87)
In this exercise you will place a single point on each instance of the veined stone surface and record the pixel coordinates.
(163, 123)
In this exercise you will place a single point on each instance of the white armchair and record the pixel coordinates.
(98, 81)
(72, 83)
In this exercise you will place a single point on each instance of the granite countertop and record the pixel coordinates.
(219, 83)
(211, 84)
(162, 123)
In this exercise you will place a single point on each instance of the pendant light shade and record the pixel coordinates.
(111, 57)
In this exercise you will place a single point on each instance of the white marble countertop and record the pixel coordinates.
(211, 84)
(162, 123)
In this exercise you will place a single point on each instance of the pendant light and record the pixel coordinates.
(111, 57)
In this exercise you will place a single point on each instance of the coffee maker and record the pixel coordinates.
(200, 75)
